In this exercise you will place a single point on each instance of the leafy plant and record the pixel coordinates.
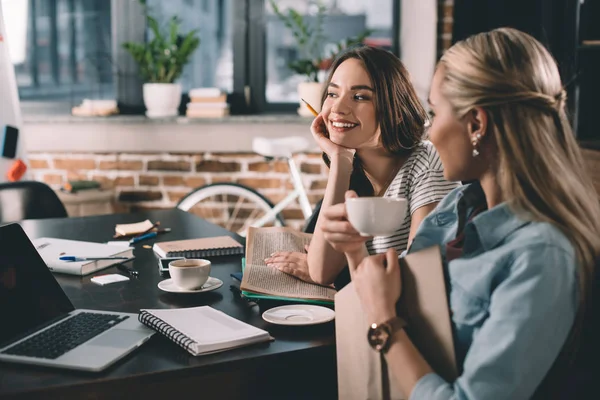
(161, 59)
(310, 39)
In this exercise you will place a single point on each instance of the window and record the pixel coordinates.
(60, 48)
(342, 19)
(211, 65)
(64, 50)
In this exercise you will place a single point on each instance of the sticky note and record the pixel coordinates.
(108, 279)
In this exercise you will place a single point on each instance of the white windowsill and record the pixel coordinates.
(138, 134)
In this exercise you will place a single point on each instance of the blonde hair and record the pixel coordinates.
(540, 167)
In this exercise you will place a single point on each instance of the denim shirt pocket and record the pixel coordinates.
(468, 313)
(467, 309)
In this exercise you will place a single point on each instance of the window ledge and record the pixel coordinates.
(138, 134)
(140, 119)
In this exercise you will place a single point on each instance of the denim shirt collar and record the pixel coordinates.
(490, 226)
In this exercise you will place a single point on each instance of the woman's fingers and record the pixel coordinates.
(318, 129)
(344, 238)
(338, 227)
(337, 211)
(285, 256)
(291, 270)
(391, 258)
(350, 194)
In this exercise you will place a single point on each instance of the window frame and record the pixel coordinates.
(257, 52)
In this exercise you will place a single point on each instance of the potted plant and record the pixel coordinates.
(310, 38)
(161, 60)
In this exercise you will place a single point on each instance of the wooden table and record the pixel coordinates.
(299, 364)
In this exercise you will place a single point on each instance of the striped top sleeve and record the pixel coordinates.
(425, 182)
(421, 181)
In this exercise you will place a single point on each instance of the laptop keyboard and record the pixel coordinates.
(64, 336)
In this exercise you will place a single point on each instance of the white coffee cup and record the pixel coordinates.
(376, 216)
(190, 273)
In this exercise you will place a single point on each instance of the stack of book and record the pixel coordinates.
(207, 103)
(95, 108)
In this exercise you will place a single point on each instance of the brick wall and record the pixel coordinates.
(445, 21)
(150, 181)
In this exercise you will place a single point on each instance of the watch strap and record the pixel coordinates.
(390, 326)
(396, 324)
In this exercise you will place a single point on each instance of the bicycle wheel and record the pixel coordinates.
(230, 205)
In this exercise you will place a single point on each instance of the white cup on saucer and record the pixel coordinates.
(376, 216)
(190, 273)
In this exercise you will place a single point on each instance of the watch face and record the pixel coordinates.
(378, 336)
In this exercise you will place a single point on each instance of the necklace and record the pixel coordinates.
(387, 183)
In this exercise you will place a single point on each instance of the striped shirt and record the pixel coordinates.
(420, 181)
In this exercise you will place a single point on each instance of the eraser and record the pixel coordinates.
(121, 243)
(108, 279)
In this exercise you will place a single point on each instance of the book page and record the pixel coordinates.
(258, 278)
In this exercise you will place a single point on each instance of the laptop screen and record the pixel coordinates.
(29, 294)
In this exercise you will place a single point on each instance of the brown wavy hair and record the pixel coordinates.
(399, 113)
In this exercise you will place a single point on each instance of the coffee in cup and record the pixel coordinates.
(190, 273)
(376, 216)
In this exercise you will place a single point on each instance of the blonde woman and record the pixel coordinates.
(519, 243)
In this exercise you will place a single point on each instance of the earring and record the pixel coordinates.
(475, 143)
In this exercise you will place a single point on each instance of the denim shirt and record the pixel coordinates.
(513, 298)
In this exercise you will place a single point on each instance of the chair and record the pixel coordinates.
(29, 200)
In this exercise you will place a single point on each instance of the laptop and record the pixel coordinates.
(40, 325)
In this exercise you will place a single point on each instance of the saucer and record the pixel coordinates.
(169, 286)
(299, 314)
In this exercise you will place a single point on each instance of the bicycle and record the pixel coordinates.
(236, 207)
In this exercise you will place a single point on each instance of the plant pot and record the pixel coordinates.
(162, 99)
(311, 92)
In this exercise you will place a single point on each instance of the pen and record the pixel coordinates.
(143, 237)
(159, 231)
(76, 258)
(148, 235)
(312, 110)
(128, 270)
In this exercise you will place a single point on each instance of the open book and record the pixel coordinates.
(202, 330)
(260, 281)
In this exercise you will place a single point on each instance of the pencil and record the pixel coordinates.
(312, 110)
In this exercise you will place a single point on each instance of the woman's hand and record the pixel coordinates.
(338, 231)
(379, 285)
(292, 263)
(321, 136)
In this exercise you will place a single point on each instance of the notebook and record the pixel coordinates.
(199, 248)
(51, 249)
(202, 330)
(425, 305)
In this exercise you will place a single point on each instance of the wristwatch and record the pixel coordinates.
(379, 335)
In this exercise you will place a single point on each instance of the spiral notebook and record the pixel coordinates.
(199, 248)
(202, 330)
